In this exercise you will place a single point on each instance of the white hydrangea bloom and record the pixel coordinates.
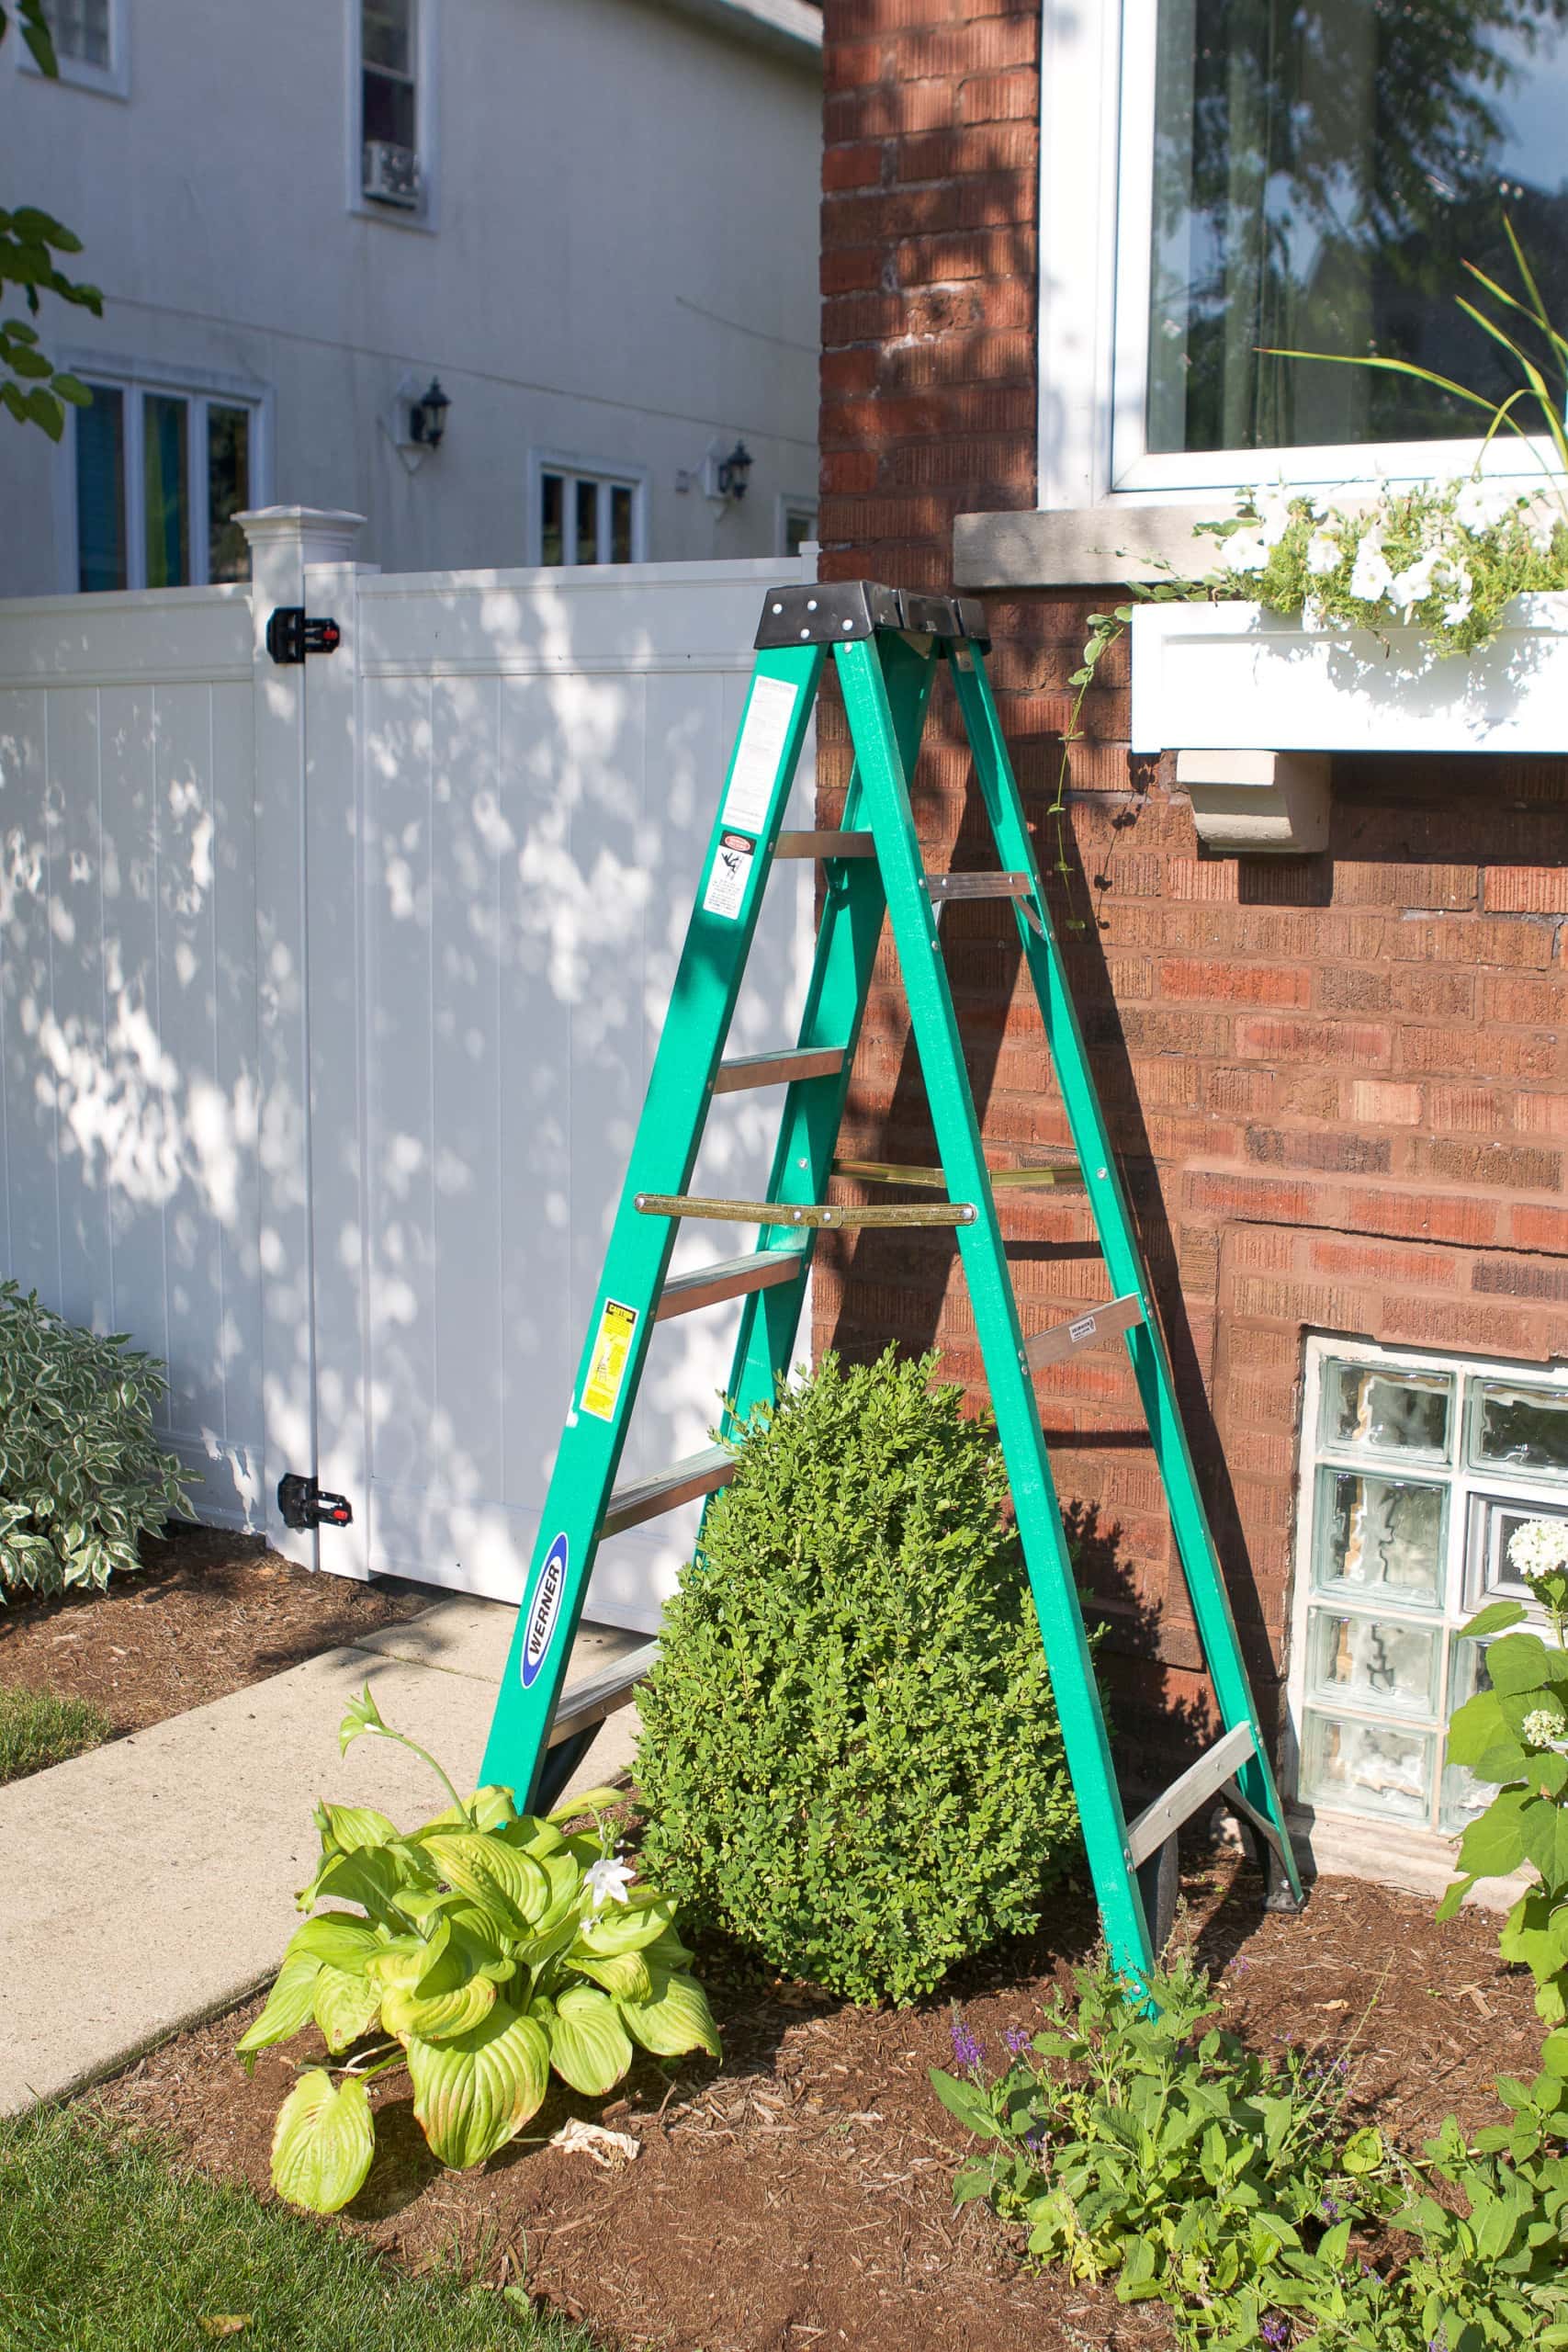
(1542, 1728)
(1539, 1547)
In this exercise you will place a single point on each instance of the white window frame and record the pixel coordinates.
(785, 506)
(609, 475)
(425, 220)
(1096, 198)
(198, 385)
(1459, 1599)
(110, 80)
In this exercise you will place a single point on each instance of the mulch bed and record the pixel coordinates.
(799, 2197)
(211, 1612)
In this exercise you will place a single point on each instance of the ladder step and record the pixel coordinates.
(825, 845)
(796, 1213)
(730, 1278)
(1181, 1800)
(1052, 1177)
(1063, 1339)
(1018, 886)
(774, 1069)
(682, 1482)
(586, 1703)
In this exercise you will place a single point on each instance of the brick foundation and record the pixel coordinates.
(1338, 1085)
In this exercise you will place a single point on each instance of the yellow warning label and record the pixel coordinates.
(608, 1367)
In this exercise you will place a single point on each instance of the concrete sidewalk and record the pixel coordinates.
(152, 1882)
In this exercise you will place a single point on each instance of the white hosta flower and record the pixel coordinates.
(1539, 1547)
(1370, 577)
(1324, 554)
(608, 1879)
(1542, 1728)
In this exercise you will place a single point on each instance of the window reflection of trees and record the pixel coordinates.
(1321, 171)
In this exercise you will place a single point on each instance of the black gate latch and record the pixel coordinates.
(290, 636)
(303, 1504)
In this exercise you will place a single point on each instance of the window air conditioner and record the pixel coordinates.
(391, 174)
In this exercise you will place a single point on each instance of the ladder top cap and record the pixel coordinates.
(837, 611)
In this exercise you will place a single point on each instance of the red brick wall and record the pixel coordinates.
(1338, 1084)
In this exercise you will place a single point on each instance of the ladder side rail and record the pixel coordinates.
(853, 904)
(1145, 1345)
(707, 982)
(935, 1028)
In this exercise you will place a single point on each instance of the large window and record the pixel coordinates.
(158, 475)
(1417, 1470)
(1305, 175)
(582, 513)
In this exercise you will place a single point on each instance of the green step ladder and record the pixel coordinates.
(886, 645)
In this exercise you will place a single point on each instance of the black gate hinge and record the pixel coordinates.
(290, 635)
(304, 1504)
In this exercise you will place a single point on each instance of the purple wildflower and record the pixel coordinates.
(966, 2049)
(1276, 2331)
(1330, 2209)
(1017, 2040)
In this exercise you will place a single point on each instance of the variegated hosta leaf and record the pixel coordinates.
(629, 1926)
(345, 2006)
(591, 1801)
(491, 1873)
(669, 1952)
(677, 2019)
(400, 1964)
(338, 1937)
(373, 1876)
(289, 2006)
(352, 1825)
(322, 2143)
(474, 2093)
(588, 2042)
(532, 1836)
(487, 1809)
(436, 2017)
(620, 1972)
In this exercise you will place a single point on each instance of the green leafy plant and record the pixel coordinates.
(81, 1473)
(1137, 2143)
(31, 387)
(487, 1948)
(849, 1754)
(1515, 1734)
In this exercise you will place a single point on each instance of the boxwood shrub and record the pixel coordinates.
(81, 1473)
(850, 1755)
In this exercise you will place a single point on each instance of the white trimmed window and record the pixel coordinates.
(797, 523)
(1219, 176)
(583, 513)
(392, 109)
(1415, 1471)
(156, 473)
(91, 43)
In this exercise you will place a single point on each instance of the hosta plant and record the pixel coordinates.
(1515, 1734)
(81, 1473)
(481, 1950)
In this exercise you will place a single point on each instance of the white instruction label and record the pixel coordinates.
(757, 753)
(726, 877)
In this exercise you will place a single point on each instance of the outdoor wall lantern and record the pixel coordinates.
(733, 472)
(427, 416)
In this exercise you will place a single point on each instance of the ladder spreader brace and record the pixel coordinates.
(886, 645)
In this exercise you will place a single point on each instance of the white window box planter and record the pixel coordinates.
(1232, 679)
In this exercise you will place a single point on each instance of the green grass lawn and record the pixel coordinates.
(104, 2248)
(36, 1729)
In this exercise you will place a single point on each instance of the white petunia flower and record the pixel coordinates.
(1413, 584)
(1274, 517)
(1244, 553)
(608, 1879)
(1324, 554)
(1370, 577)
(1480, 503)
(1456, 611)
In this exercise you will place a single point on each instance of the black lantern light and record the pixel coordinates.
(733, 471)
(427, 416)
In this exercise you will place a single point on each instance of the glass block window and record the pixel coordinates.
(1415, 1474)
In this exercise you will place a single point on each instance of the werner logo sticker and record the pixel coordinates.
(542, 1617)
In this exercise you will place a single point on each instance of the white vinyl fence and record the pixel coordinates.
(327, 998)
